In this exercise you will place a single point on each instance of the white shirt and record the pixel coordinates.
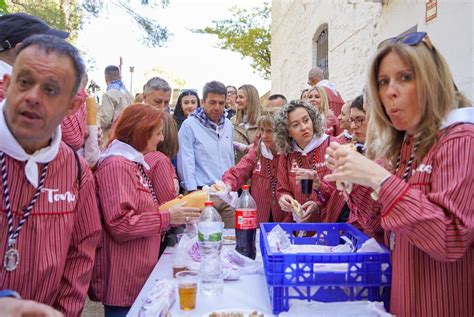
(5, 69)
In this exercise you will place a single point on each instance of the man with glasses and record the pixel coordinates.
(205, 146)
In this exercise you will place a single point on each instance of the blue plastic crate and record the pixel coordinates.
(294, 276)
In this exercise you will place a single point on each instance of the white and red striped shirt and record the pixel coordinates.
(287, 178)
(432, 217)
(2, 92)
(162, 175)
(74, 127)
(130, 244)
(259, 169)
(58, 241)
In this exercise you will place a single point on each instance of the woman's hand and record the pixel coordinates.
(285, 203)
(308, 208)
(352, 167)
(180, 214)
(302, 173)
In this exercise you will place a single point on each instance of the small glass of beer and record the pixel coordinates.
(187, 289)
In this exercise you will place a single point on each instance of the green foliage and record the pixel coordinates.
(248, 34)
(62, 14)
(3, 7)
(70, 15)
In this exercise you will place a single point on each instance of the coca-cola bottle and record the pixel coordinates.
(246, 224)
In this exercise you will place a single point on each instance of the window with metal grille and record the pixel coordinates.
(320, 49)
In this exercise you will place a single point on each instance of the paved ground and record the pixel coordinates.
(93, 309)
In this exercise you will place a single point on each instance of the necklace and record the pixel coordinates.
(11, 259)
(273, 181)
(405, 178)
(148, 181)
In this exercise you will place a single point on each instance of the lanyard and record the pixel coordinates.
(405, 178)
(145, 176)
(12, 256)
(272, 180)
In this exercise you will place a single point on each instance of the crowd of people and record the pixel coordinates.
(81, 190)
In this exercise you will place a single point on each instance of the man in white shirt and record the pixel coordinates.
(205, 145)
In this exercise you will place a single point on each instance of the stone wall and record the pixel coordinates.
(355, 28)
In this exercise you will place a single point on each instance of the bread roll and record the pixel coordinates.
(195, 199)
(91, 110)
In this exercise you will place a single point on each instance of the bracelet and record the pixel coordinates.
(376, 191)
(9, 293)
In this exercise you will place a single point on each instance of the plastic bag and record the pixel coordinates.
(159, 300)
(278, 239)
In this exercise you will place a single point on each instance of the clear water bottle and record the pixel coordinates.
(246, 224)
(210, 229)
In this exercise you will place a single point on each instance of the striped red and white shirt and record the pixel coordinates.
(259, 169)
(58, 241)
(433, 219)
(74, 127)
(162, 175)
(130, 243)
(287, 178)
(2, 91)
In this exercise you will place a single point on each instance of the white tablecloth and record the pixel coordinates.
(248, 293)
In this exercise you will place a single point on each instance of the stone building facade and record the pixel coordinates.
(342, 35)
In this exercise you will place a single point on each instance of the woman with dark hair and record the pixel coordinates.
(130, 243)
(301, 142)
(187, 102)
(418, 192)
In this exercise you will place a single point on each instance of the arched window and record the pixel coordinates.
(320, 49)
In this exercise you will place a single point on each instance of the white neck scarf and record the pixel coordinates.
(266, 153)
(461, 115)
(314, 143)
(12, 148)
(119, 148)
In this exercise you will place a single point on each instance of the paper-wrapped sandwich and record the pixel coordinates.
(297, 207)
(195, 199)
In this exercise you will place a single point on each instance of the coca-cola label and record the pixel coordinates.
(245, 219)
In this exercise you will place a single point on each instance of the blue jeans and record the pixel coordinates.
(115, 311)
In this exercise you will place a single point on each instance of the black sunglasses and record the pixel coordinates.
(411, 39)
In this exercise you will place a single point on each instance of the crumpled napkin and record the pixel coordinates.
(224, 193)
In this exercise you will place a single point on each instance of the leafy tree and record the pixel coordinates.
(3, 7)
(70, 15)
(248, 34)
(62, 14)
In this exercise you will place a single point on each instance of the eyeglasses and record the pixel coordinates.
(357, 120)
(411, 39)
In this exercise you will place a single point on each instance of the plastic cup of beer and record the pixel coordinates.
(187, 289)
(179, 260)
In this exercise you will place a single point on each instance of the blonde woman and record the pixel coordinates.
(421, 198)
(318, 97)
(245, 119)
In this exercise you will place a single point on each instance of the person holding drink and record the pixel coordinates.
(302, 144)
(260, 166)
(419, 191)
(130, 244)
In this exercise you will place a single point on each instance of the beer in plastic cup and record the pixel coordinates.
(187, 289)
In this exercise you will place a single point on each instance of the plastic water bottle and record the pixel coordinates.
(210, 229)
(246, 224)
